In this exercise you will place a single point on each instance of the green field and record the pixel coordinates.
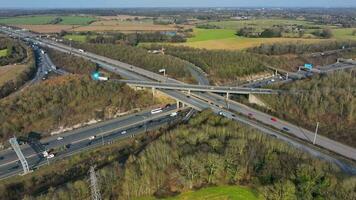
(3, 53)
(77, 38)
(215, 193)
(226, 39)
(42, 20)
(27, 20)
(76, 20)
(344, 33)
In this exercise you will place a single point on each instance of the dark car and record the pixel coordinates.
(1, 157)
(285, 129)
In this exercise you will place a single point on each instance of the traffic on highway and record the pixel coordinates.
(44, 151)
(200, 101)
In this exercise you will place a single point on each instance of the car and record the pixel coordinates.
(285, 129)
(233, 115)
(1, 157)
(273, 119)
(92, 137)
(14, 167)
(59, 138)
(50, 155)
(173, 114)
(45, 154)
(68, 146)
(123, 132)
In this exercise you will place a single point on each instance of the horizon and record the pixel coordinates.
(113, 4)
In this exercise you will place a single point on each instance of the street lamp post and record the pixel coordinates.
(316, 132)
(144, 123)
(70, 44)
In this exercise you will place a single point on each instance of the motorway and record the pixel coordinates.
(199, 103)
(105, 132)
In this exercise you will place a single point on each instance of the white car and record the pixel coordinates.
(123, 132)
(50, 155)
(91, 137)
(45, 154)
(59, 138)
(173, 114)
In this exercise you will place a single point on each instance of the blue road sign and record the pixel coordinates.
(95, 76)
(308, 66)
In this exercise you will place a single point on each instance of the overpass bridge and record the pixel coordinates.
(197, 88)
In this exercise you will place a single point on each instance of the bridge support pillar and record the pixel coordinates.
(227, 96)
(178, 105)
(153, 91)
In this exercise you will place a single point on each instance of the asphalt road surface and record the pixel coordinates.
(78, 140)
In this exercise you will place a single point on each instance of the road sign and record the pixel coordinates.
(308, 66)
(95, 75)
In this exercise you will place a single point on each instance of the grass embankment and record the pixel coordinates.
(12, 75)
(214, 193)
(4, 53)
(66, 101)
(10, 72)
(75, 37)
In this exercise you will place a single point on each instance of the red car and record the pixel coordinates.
(273, 119)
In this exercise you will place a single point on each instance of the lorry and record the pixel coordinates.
(102, 78)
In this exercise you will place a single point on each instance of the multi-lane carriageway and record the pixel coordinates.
(79, 140)
(218, 104)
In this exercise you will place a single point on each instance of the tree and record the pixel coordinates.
(282, 190)
(191, 169)
(354, 32)
(269, 33)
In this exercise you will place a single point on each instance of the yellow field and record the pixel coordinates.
(47, 28)
(9, 72)
(104, 25)
(114, 25)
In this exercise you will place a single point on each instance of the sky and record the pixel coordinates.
(172, 3)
